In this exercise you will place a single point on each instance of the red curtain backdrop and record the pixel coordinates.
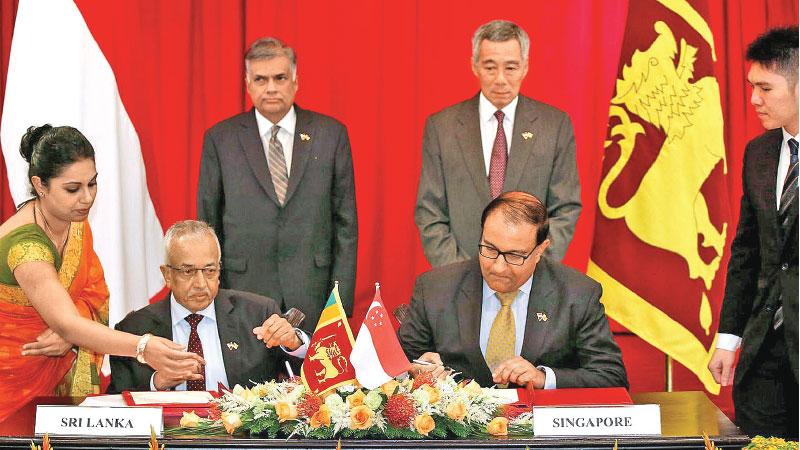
(381, 68)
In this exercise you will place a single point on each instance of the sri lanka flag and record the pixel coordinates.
(327, 363)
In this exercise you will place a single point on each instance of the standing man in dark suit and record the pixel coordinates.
(759, 311)
(237, 333)
(513, 316)
(494, 142)
(276, 183)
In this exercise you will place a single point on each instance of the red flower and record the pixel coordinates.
(399, 411)
(423, 378)
(213, 412)
(309, 405)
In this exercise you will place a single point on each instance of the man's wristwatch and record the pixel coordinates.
(141, 346)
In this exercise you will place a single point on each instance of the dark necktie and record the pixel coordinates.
(195, 346)
(785, 219)
(497, 163)
(789, 192)
(277, 165)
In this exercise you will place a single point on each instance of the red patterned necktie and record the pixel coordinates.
(195, 346)
(497, 164)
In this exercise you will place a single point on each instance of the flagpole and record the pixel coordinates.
(668, 377)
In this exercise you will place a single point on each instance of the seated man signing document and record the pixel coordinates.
(228, 328)
(511, 315)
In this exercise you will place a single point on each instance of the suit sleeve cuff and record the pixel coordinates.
(729, 342)
(300, 352)
(549, 377)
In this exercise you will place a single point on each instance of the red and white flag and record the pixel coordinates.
(377, 356)
(57, 74)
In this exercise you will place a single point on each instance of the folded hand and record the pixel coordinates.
(49, 343)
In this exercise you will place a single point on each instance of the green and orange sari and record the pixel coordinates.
(78, 372)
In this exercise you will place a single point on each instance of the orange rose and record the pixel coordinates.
(285, 411)
(321, 418)
(231, 421)
(360, 417)
(356, 398)
(456, 411)
(433, 393)
(424, 424)
(389, 387)
(498, 427)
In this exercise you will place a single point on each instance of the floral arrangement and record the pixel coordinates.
(410, 409)
(773, 443)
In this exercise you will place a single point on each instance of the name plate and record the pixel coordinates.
(98, 420)
(597, 420)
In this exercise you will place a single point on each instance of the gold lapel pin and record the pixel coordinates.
(541, 317)
(233, 346)
(527, 135)
(304, 137)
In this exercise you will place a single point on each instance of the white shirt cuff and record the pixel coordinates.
(729, 342)
(152, 382)
(300, 352)
(549, 377)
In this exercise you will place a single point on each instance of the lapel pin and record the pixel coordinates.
(527, 135)
(304, 137)
(541, 317)
(233, 346)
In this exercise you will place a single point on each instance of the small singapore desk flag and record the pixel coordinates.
(377, 356)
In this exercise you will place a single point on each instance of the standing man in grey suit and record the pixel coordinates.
(237, 333)
(494, 142)
(759, 311)
(276, 183)
(511, 315)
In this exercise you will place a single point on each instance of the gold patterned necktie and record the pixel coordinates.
(503, 334)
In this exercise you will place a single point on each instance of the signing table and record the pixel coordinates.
(685, 416)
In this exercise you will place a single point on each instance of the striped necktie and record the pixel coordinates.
(277, 165)
(789, 193)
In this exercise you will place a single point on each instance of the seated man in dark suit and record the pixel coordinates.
(225, 327)
(512, 316)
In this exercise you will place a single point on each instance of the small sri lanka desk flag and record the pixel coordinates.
(377, 355)
(327, 363)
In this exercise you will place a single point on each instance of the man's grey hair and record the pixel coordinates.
(192, 228)
(268, 48)
(500, 31)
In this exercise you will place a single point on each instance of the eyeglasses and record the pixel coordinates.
(189, 272)
(515, 259)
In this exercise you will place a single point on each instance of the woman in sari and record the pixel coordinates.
(53, 296)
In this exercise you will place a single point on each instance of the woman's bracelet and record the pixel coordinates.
(141, 346)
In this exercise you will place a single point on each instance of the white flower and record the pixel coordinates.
(421, 396)
(373, 400)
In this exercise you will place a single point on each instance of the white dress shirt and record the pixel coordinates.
(490, 306)
(209, 338)
(285, 134)
(489, 126)
(731, 342)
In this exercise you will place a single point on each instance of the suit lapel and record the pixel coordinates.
(468, 135)
(521, 148)
(254, 152)
(162, 318)
(540, 300)
(769, 166)
(469, 320)
(301, 150)
(231, 356)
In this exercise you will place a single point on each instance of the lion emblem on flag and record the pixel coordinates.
(668, 211)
